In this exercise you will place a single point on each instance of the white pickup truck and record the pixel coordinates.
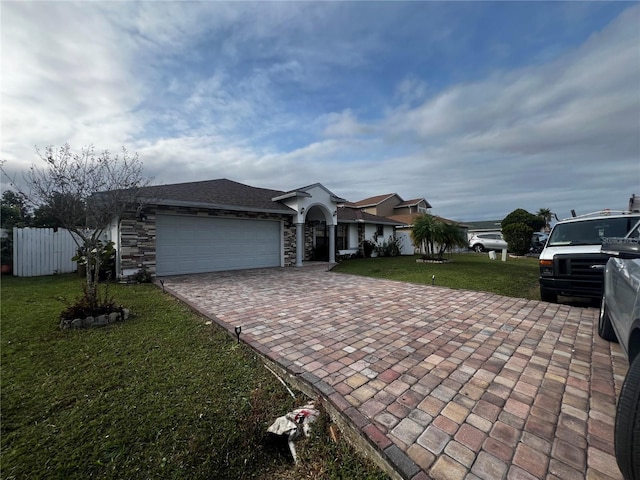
(620, 321)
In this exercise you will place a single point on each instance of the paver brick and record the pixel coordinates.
(601, 462)
(505, 433)
(571, 455)
(446, 468)
(407, 431)
(470, 436)
(460, 453)
(517, 473)
(455, 412)
(488, 467)
(434, 439)
(421, 456)
(531, 460)
(498, 449)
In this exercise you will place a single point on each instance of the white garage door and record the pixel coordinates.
(203, 244)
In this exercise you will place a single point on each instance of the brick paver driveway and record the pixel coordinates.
(442, 383)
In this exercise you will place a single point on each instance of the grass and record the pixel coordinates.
(517, 277)
(162, 395)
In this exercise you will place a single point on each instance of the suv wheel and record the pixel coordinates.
(548, 296)
(478, 248)
(605, 329)
(627, 430)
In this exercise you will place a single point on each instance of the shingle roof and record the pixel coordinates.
(348, 215)
(409, 218)
(411, 203)
(485, 225)
(219, 193)
(372, 201)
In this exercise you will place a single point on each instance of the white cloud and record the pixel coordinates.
(68, 81)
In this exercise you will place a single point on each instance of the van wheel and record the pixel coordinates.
(627, 432)
(548, 296)
(605, 329)
(478, 248)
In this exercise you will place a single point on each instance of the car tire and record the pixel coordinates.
(478, 248)
(627, 429)
(548, 296)
(605, 329)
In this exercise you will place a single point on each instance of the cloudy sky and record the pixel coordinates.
(478, 107)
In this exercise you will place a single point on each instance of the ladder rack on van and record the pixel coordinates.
(601, 213)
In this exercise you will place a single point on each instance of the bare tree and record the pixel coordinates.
(84, 191)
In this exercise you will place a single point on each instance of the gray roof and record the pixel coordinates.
(221, 193)
(485, 225)
(353, 215)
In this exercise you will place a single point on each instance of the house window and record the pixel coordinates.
(379, 230)
(342, 236)
(422, 210)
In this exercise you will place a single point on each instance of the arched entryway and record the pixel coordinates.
(318, 232)
(315, 220)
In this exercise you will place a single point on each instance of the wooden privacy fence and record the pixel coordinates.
(42, 251)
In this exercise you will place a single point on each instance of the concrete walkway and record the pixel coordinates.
(444, 384)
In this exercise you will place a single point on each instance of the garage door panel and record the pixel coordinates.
(206, 244)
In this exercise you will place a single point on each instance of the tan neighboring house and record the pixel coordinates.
(392, 204)
(402, 212)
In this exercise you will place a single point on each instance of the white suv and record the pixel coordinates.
(571, 262)
(487, 241)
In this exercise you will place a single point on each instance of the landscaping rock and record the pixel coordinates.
(77, 323)
(99, 321)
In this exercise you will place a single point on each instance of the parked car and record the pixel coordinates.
(538, 241)
(481, 242)
(620, 321)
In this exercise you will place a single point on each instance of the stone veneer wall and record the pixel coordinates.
(308, 242)
(138, 239)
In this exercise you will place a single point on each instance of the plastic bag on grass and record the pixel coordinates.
(294, 425)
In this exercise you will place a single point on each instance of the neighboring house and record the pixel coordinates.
(487, 226)
(391, 204)
(402, 212)
(355, 226)
(219, 225)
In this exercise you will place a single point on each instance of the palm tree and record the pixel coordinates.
(422, 233)
(546, 214)
(449, 235)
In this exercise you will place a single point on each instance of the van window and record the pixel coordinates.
(590, 232)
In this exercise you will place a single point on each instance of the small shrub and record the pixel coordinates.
(89, 305)
(6, 250)
(518, 237)
(367, 247)
(142, 276)
(389, 248)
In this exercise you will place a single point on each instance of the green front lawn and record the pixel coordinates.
(162, 395)
(517, 277)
